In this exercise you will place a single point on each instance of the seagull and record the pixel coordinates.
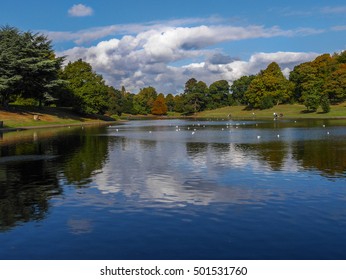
(258, 137)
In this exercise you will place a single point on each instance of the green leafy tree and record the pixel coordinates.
(335, 86)
(312, 101)
(170, 102)
(218, 95)
(179, 103)
(268, 88)
(144, 100)
(127, 101)
(325, 104)
(239, 88)
(116, 101)
(315, 80)
(305, 78)
(194, 96)
(91, 94)
(341, 57)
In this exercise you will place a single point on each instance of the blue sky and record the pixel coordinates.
(164, 43)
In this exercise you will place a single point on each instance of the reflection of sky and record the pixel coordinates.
(154, 164)
(80, 226)
(167, 193)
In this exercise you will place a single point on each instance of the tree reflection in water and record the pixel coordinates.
(32, 162)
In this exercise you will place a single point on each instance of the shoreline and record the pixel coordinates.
(105, 123)
(23, 118)
(45, 126)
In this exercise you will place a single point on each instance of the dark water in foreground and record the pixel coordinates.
(175, 189)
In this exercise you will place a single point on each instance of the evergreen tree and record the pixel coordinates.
(28, 66)
(10, 78)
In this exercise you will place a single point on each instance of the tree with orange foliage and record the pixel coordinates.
(159, 106)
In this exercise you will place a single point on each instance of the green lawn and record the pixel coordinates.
(24, 116)
(288, 111)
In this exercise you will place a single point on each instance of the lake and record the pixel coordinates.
(175, 189)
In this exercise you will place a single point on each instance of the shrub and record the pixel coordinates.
(312, 102)
(325, 104)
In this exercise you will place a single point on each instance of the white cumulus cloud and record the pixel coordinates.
(80, 10)
(165, 57)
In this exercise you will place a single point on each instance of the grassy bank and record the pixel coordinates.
(24, 116)
(295, 111)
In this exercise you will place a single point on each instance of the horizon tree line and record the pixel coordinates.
(31, 74)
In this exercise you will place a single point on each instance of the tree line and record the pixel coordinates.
(31, 73)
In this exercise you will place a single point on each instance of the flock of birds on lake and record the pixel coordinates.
(193, 128)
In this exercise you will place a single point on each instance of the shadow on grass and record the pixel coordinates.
(306, 111)
(312, 112)
(248, 108)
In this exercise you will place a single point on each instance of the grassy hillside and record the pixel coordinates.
(24, 116)
(288, 111)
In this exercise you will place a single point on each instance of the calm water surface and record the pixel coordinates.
(175, 189)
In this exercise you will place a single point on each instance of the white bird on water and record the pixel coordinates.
(258, 137)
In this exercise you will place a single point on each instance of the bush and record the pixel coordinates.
(325, 104)
(25, 101)
(312, 102)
